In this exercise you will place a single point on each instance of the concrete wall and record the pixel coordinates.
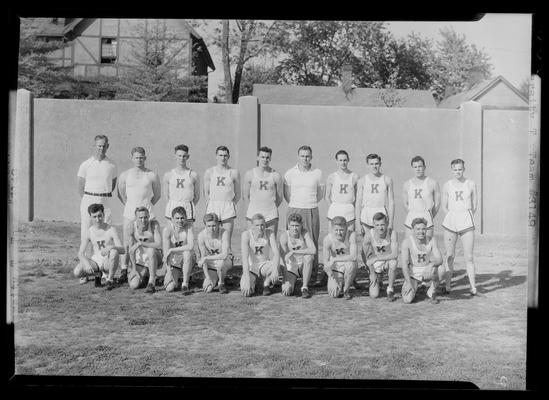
(64, 132)
(501, 95)
(396, 134)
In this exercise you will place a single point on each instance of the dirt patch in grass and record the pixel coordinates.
(64, 328)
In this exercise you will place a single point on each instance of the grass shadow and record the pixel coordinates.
(486, 283)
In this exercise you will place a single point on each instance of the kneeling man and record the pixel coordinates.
(260, 257)
(420, 261)
(106, 246)
(339, 253)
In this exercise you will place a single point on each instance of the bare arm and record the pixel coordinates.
(358, 206)
(224, 249)
(436, 191)
(117, 242)
(444, 198)
(328, 194)
(246, 186)
(166, 187)
(113, 184)
(474, 197)
(207, 177)
(320, 190)
(244, 244)
(394, 250)
(287, 192)
(186, 247)
(279, 189)
(390, 202)
(196, 188)
(157, 189)
(274, 249)
(352, 250)
(81, 184)
(436, 258)
(237, 191)
(166, 232)
(121, 192)
(405, 260)
(326, 256)
(310, 249)
(405, 195)
(157, 243)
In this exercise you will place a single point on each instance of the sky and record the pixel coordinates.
(506, 38)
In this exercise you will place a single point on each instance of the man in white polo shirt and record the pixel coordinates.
(96, 181)
(303, 189)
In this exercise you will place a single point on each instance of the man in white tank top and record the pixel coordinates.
(177, 248)
(96, 182)
(459, 202)
(340, 258)
(303, 190)
(297, 250)
(144, 244)
(137, 187)
(374, 194)
(380, 254)
(181, 185)
(421, 196)
(260, 257)
(213, 243)
(341, 191)
(420, 259)
(106, 247)
(262, 188)
(222, 190)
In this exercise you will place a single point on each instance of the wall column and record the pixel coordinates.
(471, 148)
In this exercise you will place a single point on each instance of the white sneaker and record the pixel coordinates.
(83, 280)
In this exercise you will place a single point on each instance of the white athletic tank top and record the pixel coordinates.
(420, 258)
(338, 247)
(459, 195)
(178, 239)
(181, 187)
(297, 243)
(213, 245)
(373, 193)
(146, 236)
(259, 249)
(221, 186)
(100, 239)
(382, 247)
(262, 191)
(138, 190)
(419, 198)
(342, 189)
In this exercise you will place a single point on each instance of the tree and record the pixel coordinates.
(253, 74)
(458, 65)
(36, 72)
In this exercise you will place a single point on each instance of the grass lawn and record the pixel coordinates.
(64, 328)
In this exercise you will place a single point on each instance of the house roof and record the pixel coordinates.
(335, 96)
(476, 92)
(45, 27)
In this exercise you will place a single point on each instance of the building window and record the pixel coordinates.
(108, 50)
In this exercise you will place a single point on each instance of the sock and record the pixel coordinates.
(390, 289)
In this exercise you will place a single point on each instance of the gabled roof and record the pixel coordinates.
(335, 96)
(476, 92)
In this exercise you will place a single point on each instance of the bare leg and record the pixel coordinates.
(187, 266)
(447, 269)
(114, 259)
(153, 263)
(229, 226)
(307, 269)
(289, 283)
(468, 240)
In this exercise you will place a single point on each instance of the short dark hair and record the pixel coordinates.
(181, 147)
(339, 221)
(457, 161)
(379, 216)
(342, 152)
(372, 156)
(99, 137)
(138, 149)
(258, 216)
(179, 210)
(139, 209)
(210, 217)
(305, 147)
(295, 217)
(416, 221)
(265, 149)
(95, 207)
(417, 159)
(224, 148)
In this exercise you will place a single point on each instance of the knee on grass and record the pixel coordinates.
(135, 282)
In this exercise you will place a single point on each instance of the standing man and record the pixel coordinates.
(459, 202)
(374, 194)
(137, 187)
(303, 189)
(260, 257)
(341, 191)
(263, 189)
(380, 254)
(420, 261)
(222, 190)
(421, 196)
(339, 253)
(96, 182)
(181, 185)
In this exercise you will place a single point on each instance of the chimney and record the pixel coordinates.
(347, 77)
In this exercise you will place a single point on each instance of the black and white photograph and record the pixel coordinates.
(298, 202)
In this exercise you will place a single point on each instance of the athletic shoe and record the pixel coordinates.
(223, 289)
(185, 290)
(473, 292)
(97, 281)
(150, 288)
(110, 285)
(123, 278)
(83, 280)
(266, 290)
(434, 299)
(305, 293)
(347, 295)
(390, 295)
(444, 290)
(159, 281)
